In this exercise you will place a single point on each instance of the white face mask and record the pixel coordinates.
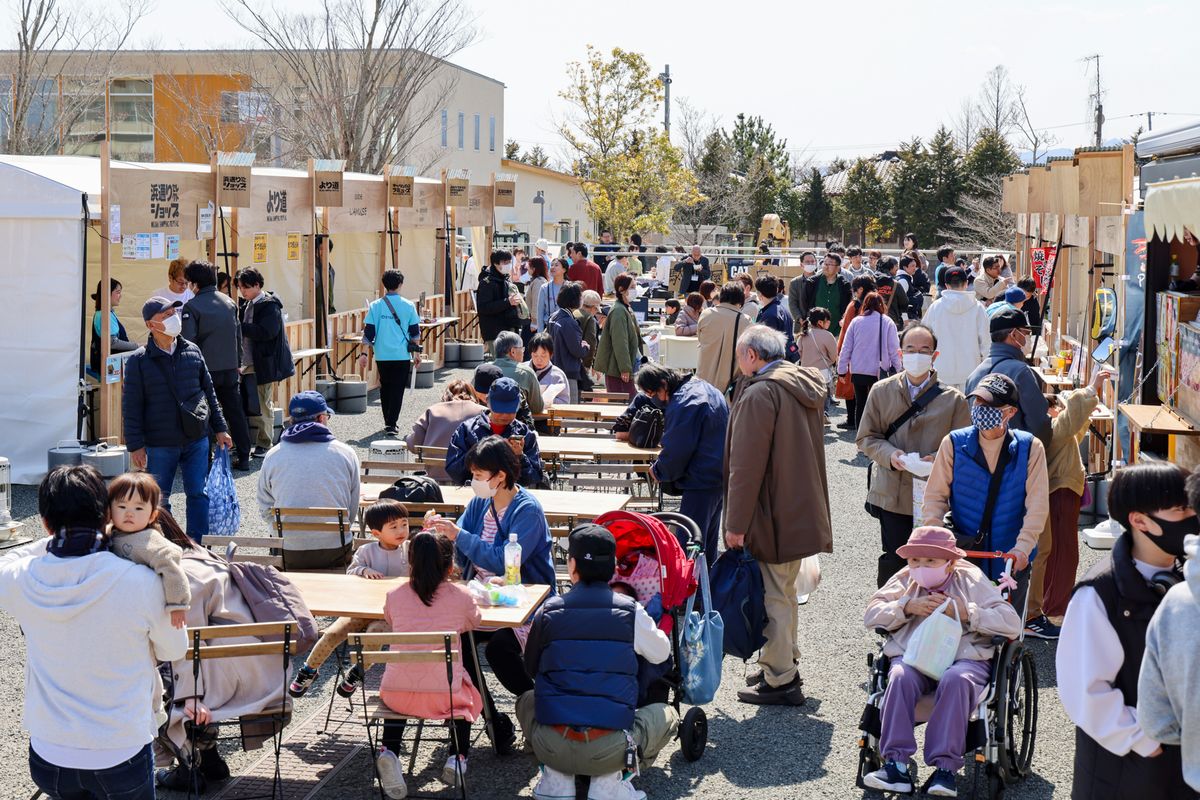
(505, 269)
(917, 364)
(483, 488)
(809, 268)
(172, 326)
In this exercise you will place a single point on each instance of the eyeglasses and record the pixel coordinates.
(925, 351)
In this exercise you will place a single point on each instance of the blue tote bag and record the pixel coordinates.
(701, 649)
(224, 511)
(738, 594)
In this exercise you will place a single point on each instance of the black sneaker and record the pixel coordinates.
(304, 679)
(350, 682)
(763, 694)
(942, 784)
(391, 430)
(179, 779)
(1042, 628)
(504, 734)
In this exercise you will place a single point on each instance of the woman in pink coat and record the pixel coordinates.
(429, 602)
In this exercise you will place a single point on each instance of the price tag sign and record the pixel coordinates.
(260, 248)
(293, 246)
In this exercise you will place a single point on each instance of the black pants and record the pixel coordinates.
(503, 651)
(393, 380)
(862, 387)
(894, 530)
(460, 736)
(229, 395)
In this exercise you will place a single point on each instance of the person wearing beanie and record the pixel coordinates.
(937, 574)
(1013, 298)
(503, 402)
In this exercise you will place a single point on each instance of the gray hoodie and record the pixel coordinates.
(1168, 706)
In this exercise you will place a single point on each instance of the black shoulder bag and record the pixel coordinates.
(737, 323)
(194, 413)
(918, 405)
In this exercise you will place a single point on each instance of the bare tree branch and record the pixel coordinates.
(977, 222)
(1038, 141)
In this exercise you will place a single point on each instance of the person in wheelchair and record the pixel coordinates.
(937, 572)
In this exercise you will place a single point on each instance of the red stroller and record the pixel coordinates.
(676, 541)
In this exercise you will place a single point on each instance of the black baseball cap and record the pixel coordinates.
(485, 376)
(594, 544)
(955, 275)
(996, 389)
(1008, 319)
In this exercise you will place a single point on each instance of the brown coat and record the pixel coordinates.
(777, 492)
(717, 340)
(891, 490)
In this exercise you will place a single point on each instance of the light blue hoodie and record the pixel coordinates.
(1168, 707)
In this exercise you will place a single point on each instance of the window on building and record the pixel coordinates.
(445, 128)
(462, 130)
(131, 118)
(492, 133)
(477, 132)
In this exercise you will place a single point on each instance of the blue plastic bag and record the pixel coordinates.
(701, 648)
(738, 594)
(224, 511)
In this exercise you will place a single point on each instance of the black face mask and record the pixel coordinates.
(1173, 533)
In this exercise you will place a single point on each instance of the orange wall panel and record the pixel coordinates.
(187, 113)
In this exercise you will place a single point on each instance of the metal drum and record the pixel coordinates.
(451, 352)
(110, 460)
(67, 453)
(470, 354)
(351, 396)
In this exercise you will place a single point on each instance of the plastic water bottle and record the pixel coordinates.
(512, 561)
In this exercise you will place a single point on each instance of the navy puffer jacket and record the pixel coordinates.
(151, 412)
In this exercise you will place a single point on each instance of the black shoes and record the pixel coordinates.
(350, 683)
(762, 694)
(212, 766)
(504, 734)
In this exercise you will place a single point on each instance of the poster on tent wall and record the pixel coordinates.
(478, 213)
(1041, 260)
(428, 209)
(278, 205)
(159, 200)
(363, 208)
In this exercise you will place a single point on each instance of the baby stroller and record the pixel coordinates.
(1003, 727)
(676, 540)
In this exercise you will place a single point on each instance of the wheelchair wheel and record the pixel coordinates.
(1015, 721)
(693, 733)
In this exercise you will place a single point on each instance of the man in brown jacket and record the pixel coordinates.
(777, 494)
(718, 330)
(926, 412)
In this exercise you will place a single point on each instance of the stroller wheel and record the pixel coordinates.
(693, 733)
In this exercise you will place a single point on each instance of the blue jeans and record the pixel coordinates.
(129, 780)
(192, 461)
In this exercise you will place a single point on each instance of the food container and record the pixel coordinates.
(110, 460)
(470, 354)
(67, 453)
(451, 353)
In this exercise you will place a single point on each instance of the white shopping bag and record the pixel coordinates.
(932, 648)
(918, 493)
(810, 575)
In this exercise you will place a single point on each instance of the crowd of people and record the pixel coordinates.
(965, 452)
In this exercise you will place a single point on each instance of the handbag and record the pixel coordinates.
(843, 387)
(702, 646)
(934, 644)
(224, 511)
(883, 373)
(193, 414)
(646, 427)
(739, 597)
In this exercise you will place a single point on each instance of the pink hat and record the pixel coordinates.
(930, 542)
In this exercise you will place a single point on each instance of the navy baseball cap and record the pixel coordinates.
(307, 406)
(505, 396)
(156, 305)
(485, 376)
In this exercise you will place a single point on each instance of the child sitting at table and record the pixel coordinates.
(386, 557)
(936, 572)
(430, 601)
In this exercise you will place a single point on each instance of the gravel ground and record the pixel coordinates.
(758, 753)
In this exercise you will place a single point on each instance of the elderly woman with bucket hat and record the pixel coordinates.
(938, 579)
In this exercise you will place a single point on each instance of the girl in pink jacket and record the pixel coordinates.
(936, 572)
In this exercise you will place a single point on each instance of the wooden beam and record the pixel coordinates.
(105, 426)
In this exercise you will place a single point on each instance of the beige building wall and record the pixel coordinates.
(567, 216)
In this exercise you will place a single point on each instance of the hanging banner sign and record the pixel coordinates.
(159, 200)
(328, 188)
(293, 246)
(506, 193)
(233, 186)
(457, 188)
(364, 209)
(1041, 260)
(278, 204)
(479, 208)
(260, 248)
(400, 191)
(429, 207)
(114, 224)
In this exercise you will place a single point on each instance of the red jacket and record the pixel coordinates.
(587, 273)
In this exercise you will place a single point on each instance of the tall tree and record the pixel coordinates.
(361, 81)
(946, 178)
(608, 99)
(638, 189)
(761, 159)
(978, 222)
(911, 192)
(991, 157)
(864, 202)
(536, 157)
(58, 74)
(997, 102)
(1038, 141)
(512, 150)
(815, 208)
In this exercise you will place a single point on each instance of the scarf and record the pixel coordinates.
(307, 432)
(542, 373)
(72, 542)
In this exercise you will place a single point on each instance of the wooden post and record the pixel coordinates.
(233, 246)
(322, 315)
(212, 242)
(394, 239)
(105, 425)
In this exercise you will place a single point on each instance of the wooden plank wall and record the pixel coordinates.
(468, 320)
(301, 335)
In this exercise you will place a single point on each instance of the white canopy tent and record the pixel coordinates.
(42, 227)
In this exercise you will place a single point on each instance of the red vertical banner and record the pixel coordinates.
(1041, 259)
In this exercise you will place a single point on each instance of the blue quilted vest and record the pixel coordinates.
(588, 671)
(969, 490)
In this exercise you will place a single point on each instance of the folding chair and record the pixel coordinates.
(420, 648)
(277, 718)
(324, 522)
(430, 456)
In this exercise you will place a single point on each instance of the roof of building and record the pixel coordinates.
(509, 163)
(835, 184)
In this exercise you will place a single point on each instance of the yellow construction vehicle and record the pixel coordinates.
(774, 232)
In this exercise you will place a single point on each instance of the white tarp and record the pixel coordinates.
(41, 277)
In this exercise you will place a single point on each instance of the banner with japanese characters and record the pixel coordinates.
(1042, 263)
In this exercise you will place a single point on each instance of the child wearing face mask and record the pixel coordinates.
(937, 572)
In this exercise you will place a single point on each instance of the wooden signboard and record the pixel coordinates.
(363, 209)
(1110, 236)
(159, 200)
(279, 204)
(428, 209)
(1016, 194)
(1050, 227)
(1100, 189)
(328, 182)
(1075, 231)
(1039, 190)
(400, 181)
(1064, 187)
(233, 185)
(478, 213)
(506, 191)
(458, 183)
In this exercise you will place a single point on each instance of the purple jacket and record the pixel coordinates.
(871, 344)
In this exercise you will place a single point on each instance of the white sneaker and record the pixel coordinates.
(454, 771)
(802, 599)
(554, 785)
(612, 787)
(391, 775)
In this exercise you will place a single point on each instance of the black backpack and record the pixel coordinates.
(646, 428)
(413, 489)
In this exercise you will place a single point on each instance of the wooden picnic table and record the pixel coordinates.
(555, 503)
(606, 448)
(606, 412)
(337, 595)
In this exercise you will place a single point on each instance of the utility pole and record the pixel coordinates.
(1099, 102)
(665, 77)
(1149, 120)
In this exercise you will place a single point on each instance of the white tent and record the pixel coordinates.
(42, 228)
